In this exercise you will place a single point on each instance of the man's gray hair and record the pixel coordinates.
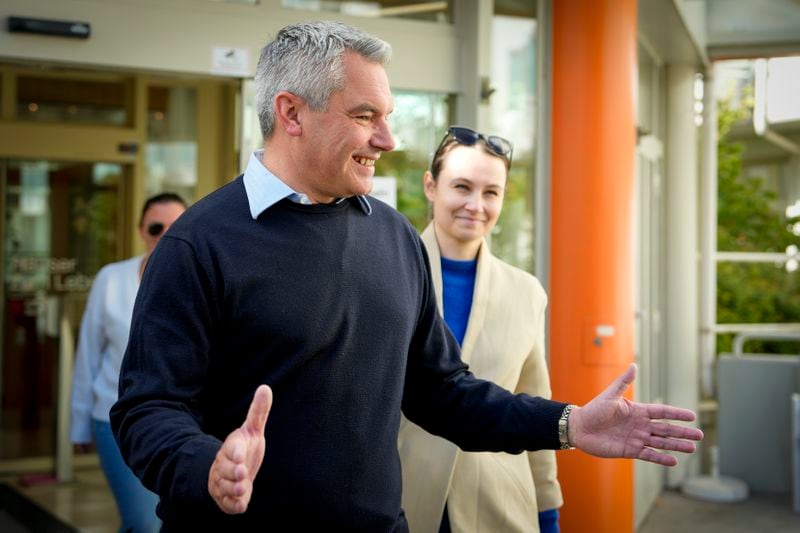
(307, 60)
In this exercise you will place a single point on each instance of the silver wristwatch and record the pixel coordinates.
(563, 428)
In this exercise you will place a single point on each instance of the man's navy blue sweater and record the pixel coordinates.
(335, 311)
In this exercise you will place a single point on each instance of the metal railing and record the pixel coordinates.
(741, 338)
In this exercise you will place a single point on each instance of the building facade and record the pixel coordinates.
(605, 202)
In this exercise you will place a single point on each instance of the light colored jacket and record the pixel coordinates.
(504, 342)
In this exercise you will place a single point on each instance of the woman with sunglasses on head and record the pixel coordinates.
(101, 346)
(496, 312)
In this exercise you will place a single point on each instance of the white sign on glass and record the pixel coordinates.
(384, 188)
(230, 61)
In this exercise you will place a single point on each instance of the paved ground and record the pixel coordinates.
(87, 504)
(674, 512)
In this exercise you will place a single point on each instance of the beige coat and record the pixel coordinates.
(504, 342)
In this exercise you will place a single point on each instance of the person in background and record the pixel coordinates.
(101, 346)
(290, 279)
(497, 314)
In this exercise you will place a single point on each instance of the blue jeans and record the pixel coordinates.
(136, 504)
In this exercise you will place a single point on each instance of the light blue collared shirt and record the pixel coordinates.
(264, 189)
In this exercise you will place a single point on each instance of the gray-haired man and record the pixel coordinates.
(291, 277)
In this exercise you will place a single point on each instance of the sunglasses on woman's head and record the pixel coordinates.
(468, 137)
(155, 229)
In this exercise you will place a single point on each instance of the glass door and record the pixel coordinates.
(61, 221)
(80, 150)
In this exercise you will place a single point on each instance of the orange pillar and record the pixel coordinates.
(592, 275)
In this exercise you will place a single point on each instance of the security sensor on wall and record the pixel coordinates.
(58, 28)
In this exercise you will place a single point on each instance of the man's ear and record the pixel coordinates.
(287, 112)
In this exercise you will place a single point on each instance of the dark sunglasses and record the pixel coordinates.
(469, 137)
(155, 229)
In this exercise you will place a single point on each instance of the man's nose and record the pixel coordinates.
(383, 138)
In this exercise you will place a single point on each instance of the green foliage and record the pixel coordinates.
(750, 221)
(408, 168)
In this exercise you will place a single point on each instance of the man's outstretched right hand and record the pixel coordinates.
(613, 426)
(230, 480)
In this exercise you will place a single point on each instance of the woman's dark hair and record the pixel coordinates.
(163, 198)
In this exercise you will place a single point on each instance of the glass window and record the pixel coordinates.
(758, 222)
(171, 154)
(515, 8)
(40, 196)
(757, 293)
(755, 202)
(757, 179)
(62, 223)
(440, 12)
(418, 122)
(54, 99)
(513, 107)
(751, 293)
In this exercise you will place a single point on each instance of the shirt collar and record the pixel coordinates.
(264, 189)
